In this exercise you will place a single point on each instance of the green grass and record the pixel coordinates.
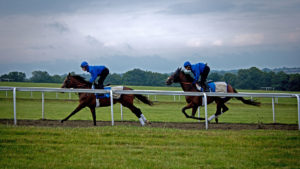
(58, 106)
(144, 147)
(136, 147)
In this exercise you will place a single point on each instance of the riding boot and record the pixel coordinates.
(205, 87)
(100, 86)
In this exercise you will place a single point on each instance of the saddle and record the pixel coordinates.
(215, 87)
(107, 95)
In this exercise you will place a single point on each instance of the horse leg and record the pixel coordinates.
(93, 111)
(191, 105)
(77, 109)
(194, 110)
(218, 111)
(223, 107)
(136, 111)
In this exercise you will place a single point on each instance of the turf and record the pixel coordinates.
(144, 147)
(136, 147)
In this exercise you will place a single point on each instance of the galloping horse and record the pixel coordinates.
(89, 99)
(186, 82)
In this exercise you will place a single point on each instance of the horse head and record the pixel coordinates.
(75, 81)
(179, 76)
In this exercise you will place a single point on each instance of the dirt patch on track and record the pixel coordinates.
(177, 125)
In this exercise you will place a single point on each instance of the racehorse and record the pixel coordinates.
(89, 99)
(186, 82)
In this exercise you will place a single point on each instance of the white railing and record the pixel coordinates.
(152, 92)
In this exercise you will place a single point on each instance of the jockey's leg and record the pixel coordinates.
(103, 76)
(204, 75)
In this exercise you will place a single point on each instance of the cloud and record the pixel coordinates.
(58, 26)
(248, 39)
(198, 7)
(33, 31)
(218, 43)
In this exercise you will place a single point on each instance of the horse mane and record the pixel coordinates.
(81, 79)
(188, 77)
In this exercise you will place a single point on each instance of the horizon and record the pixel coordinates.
(85, 73)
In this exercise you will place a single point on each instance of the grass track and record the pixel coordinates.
(136, 147)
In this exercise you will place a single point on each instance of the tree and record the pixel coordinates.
(294, 82)
(280, 81)
(57, 79)
(249, 78)
(14, 76)
(114, 79)
(41, 77)
(230, 78)
(214, 77)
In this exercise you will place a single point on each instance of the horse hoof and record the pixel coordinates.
(62, 121)
(148, 122)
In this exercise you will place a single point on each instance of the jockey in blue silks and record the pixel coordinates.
(199, 69)
(96, 71)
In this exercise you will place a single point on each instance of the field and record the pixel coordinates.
(131, 146)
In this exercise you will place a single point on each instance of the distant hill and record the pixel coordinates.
(276, 70)
(284, 69)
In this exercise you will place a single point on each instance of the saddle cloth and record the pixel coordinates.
(215, 87)
(221, 87)
(107, 95)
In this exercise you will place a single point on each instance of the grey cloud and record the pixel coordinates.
(60, 27)
(93, 41)
(198, 7)
(37, 7)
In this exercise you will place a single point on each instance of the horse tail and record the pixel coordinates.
(247, 101)
(144, 99)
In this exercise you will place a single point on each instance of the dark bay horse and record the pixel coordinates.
(89, 99)
(186, 82)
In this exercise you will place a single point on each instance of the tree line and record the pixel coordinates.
(252, 78)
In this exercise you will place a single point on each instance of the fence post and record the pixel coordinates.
(199, 113)
(121, 107)
(43, 101)
(205, 108)
(298, 100)
(111, 107)
(15, 105)
(273, 108)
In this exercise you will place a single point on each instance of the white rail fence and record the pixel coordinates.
(151, 92)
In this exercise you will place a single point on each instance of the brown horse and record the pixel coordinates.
(89, 99)
(186, 82)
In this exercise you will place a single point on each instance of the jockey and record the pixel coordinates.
(96, 71)
(199, 69)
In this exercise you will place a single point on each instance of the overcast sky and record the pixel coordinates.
(156, 35)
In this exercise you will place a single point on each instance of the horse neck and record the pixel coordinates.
(187, 86)
(82, 85)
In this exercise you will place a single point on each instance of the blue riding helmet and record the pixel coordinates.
(187, 63)
(84, 64)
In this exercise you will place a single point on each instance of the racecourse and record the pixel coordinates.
(144, 147)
